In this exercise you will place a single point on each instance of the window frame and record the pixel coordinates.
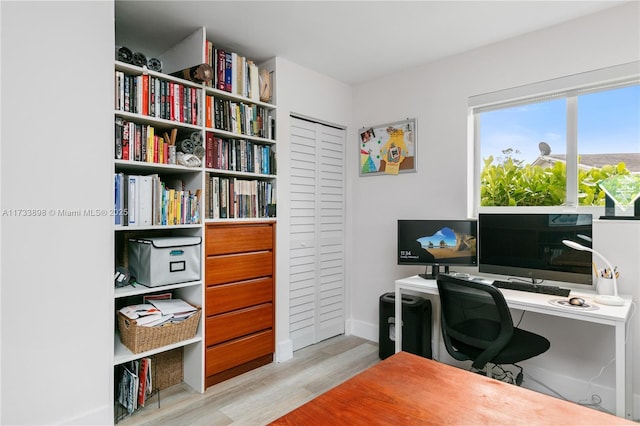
(569, 88)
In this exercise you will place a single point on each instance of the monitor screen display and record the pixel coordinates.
(437, 243)
(530, 246)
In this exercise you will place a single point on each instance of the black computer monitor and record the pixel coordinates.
(437, 243)
(529, 245)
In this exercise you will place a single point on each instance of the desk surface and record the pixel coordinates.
(536, 302)
(408, 389)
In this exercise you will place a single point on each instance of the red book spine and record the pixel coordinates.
(125, 141)
(165, 147)
(172, 114)
(194, 107)
(142, 387)
(145, 94)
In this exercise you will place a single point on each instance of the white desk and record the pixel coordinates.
(615, 316)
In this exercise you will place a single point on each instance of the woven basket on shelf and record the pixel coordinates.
(169, 368)
(140, 338)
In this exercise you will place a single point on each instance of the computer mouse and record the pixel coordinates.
(576, 301)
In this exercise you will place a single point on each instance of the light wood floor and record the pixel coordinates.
(262, 395)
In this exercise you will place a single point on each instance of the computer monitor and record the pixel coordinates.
(437, 243)
(529, 245)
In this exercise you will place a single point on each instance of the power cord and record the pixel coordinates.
(596, 400)
(595, 403)
(521, 318)
(499, 373)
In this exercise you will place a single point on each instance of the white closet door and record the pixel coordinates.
(317, 232)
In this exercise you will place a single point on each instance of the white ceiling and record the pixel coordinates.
(351, 41)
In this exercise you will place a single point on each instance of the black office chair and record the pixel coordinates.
(477, 326)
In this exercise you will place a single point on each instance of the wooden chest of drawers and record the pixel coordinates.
(239, 300)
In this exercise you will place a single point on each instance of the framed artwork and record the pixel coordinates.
(388, 148)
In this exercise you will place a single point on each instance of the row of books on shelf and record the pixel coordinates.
(239, 155)
(229, 197)
(135, 384)
(239, 117)
(232, 72)
(146, 200)
(145, 143)
(154, 97)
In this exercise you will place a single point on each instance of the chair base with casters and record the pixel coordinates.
(477, 326)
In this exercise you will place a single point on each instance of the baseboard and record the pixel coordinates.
(364, 330)
(575, 390)
(284, 350)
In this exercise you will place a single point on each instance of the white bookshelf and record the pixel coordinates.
(186, 53)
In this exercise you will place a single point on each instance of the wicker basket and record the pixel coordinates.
(169, 368)
(140, 339)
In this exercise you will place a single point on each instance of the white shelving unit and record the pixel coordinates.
(188, 52)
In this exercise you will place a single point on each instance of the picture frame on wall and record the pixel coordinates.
(388, 148)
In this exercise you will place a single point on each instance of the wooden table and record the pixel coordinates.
(406, 389)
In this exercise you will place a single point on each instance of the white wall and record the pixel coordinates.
(437, 95)
(305, 93)
(57, 280)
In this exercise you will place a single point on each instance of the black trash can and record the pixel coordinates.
(416, 330)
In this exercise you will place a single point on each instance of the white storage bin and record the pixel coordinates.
(164, 260)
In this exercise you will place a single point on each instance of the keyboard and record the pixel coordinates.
(532, 288)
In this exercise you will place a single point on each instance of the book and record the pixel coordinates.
(144, 95)
(126, 132)
(145, 200)
(228, 72)
(209, 142)
(221, 70)
(119, 91)
(209, 111)
(254, 81)
(143, 142)
(128, 389)
(142, 388)
(209, 59)
(149, 140)
(119, 203)
(216, 197)
(137, 94)
(119, 129)
(152, 96)
(133, 205)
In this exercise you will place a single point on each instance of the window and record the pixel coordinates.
(550, 143)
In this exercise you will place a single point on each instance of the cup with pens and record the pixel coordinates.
(604, 280)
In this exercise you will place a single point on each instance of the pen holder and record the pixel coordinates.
(604, 286)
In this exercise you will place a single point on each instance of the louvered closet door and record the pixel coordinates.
(317, 232)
